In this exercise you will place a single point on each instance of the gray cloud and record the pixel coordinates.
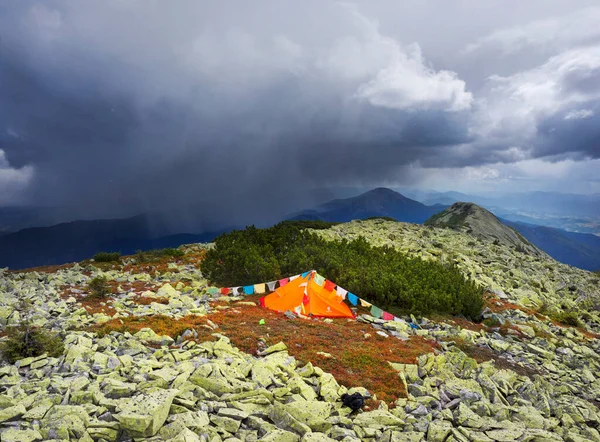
(133, 106)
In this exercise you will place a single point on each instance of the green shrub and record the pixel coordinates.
(568, 318)
(158, 254)
(98, 287)
(381, 275)
(24, 341)
(107, 256)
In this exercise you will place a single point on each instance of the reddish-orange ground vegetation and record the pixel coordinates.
(356, 355)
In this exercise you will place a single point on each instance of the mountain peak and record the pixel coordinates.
(481, 223)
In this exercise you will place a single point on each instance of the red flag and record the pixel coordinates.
(387, 316)
(329, 286)
(225, 291)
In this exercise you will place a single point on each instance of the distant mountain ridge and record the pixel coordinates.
(577, 249)
(380, 202)
(78, 240)
(481, 223)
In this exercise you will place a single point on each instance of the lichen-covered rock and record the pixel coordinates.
(16, 435)
(144, 414)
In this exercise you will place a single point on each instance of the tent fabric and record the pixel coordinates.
(305, 296)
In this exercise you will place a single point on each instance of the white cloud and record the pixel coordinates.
(580, 27)
(514, 104)
(579, 114)
(371, 66)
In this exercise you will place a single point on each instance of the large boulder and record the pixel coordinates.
(144, 414)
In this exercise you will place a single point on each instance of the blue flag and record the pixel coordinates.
(249, 289)
(352, 298)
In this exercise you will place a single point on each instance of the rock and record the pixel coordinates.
(378, 419)
(280, 436)
(505, 435)
(526, 330)
(167, 291)
(316, 437)
(16, 435)
(233, 413)
(12, 412)
(225, 423)
(186, 435)
(280, 346)
(144, 414)
(438, 431)
(313, 414)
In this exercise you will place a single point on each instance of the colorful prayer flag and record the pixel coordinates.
(319, 280)
(225, 291)
(341, 292)
(387, 316)
(235, 291)
(305, 274)
(376, 311)
(294, 277)
(248, 289)
(213, 291)
(365, 303)
(329, 286)
(271, 285)
(259, 288)
(352, 298)
(283, 282)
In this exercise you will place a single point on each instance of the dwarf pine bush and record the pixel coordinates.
(107, 256)
(98, 287)
(381, 275)
(25, 340)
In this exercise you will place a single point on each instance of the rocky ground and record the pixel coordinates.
(165, 357)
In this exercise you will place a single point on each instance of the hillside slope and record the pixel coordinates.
(164, 356)
(380, 202)
(481, 223)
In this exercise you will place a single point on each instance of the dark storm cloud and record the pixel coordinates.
(237, 110)
(575, 131)
(236, 133)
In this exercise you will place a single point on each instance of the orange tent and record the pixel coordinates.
(304, 296)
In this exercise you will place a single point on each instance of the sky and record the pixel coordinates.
(243, 110)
